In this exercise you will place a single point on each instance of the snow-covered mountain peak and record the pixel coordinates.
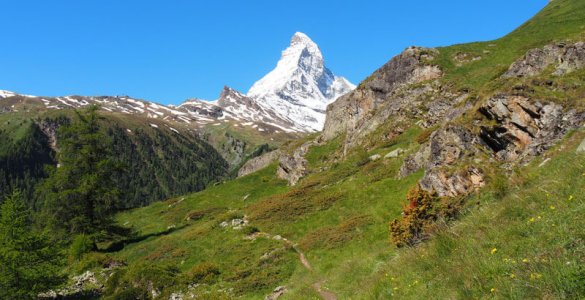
(301, 38)
(301, 86)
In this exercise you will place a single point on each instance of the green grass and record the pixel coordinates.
(346, 240)
(530, 244)
(331, 215)
(561, 20)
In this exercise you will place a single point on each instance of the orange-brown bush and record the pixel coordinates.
(200, 214)
(420, 216)
(290, 205)
(335, 236)
(425, 135)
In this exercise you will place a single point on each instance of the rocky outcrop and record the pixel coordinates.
(446, 147)
(581, 148)
(85, 286)
(279, 291)
(348, 112)
(524, 127)
(258, 163)
(49, 127)
(394, 153)
(565, 58)
(444, 183)
(293, 167)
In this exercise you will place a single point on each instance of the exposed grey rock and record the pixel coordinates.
(238, 222)
(452, 185)
(446, 147)
(293, 167)
(581, 148)
(86, 278)
(279, 291)
(525, 128)
(410, 67)
(176, 296)
(258, 163)
(573, 59)
(394, 153)
(49, 127)
(85, 286)
(375, 157)
(463, 58)
(565, 58)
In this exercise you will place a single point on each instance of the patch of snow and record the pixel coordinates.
(6, 94)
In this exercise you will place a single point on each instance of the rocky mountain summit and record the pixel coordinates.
(301, 86)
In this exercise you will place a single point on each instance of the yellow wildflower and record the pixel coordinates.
(531, 220)
(552, 207)
(534, 276)
(494, 250)
(525, 260)
(571, 197)
(512, 275)
(493, 290)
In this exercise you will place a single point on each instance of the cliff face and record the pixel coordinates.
(510, 121)
(389, 92)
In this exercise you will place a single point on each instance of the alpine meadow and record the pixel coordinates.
(452, 172)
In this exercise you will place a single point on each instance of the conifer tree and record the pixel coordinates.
(29, 261)
(81, 196)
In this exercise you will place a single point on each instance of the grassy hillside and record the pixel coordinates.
(338, 220)
(519, 237)
(331, 217)
(559, 21)
(526, 243)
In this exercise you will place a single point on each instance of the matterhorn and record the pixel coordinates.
(301, 86)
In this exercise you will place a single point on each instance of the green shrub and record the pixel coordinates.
(82, 244)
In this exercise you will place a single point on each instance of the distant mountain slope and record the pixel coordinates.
(161, 161)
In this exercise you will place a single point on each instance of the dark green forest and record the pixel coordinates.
(158, 162)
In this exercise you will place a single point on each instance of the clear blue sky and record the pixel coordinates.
(167, 51)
